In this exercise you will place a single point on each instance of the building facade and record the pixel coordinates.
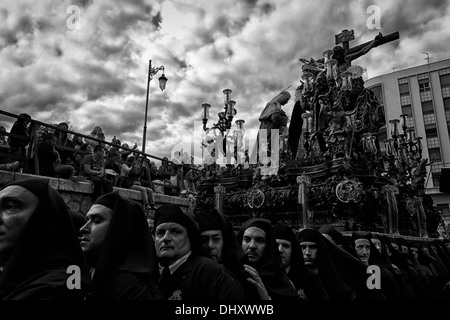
(423, 94)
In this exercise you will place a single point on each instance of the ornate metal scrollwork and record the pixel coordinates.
(256, 198)
(348, 190)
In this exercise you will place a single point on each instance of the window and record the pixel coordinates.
(431, 131)
(429, 118)
(445, 80)
(424, 85)
(409, 122)
(378, 91)
(435, 154)
(433, 142)
(436, 179)
(436, 167)
(405, 80)
(407, 110)
(422, 76)
(425, 92)
(444, 71)
(425, 95)
(447, 115)
(445, 92)
(405, 99)
(446, 103)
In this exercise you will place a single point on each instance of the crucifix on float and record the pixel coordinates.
(345, 55)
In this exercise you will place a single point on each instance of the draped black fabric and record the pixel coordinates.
(303, 278)
(166, 284)
(406, 262)
(295, 128)
(233, 256)
(269, 266)
(399, 268)
(48, 245)
(128, 252)
(389, 290)
(342, 274)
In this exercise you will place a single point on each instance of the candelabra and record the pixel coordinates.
(224, 123)
(403, 150)
(225, 117)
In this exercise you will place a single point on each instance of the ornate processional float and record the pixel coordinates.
(334, 165)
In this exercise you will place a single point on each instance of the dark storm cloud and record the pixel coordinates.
(249, 46)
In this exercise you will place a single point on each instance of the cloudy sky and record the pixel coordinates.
(87, 61)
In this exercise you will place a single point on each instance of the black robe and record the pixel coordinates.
(38, 267)
(200, 278)
(269, 267)
(307, 284)
(126, 268)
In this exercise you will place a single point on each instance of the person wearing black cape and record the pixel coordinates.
(40, 257)
(364, 249)
(306, 283)
(185, 273)
(119, 248)
(258, 241)
(219, 243)
(343, 275)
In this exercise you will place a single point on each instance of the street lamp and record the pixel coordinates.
(162, 85)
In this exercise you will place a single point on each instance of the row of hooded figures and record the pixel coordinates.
(48, 252)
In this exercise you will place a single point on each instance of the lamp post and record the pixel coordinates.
(162, 85)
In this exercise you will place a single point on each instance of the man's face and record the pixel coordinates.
(212, 244)
(254, 243)
(362, 248)
(285, 249)
(414, 251)
(94, 231)
(17, 204)
(309, 250)
(53, 141)
(171, 242)
(377, 244)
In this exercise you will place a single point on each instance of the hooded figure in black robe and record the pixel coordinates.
(389, 289)
(38, 267)
(405, 262)
(305, 281)
(125, 268)
(233, 256)
(343, 276)
(191, 276)
(269, 267)
(400, 275)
